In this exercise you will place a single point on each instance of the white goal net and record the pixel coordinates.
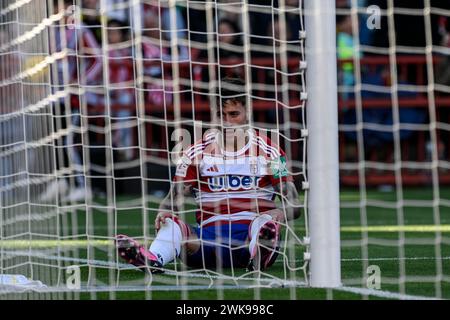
(97, 100)
(394, 154)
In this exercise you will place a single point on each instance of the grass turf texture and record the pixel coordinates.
(381, 247)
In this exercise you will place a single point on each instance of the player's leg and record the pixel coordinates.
(223, 244)
(136, 254)
(237, 245)
(173, 236)
(201, 253)
(264, 237)
(255, 246)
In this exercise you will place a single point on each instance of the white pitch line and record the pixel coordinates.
(381, 294)
(395, 259)
(397, 228)
(378, 259)
(25, 244)
(125, 266)
(70, 259)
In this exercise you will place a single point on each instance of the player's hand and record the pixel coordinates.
(161, 219)
(276, 214)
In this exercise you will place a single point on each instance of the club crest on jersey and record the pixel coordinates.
(253, 167)
(231, 182)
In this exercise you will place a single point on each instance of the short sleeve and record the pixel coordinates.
(278, 171)
(185, 171)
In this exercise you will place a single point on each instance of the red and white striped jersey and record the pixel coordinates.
(232, 186)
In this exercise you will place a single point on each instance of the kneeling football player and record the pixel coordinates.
(234, 175)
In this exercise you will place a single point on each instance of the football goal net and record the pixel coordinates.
(100, 99)
(105, 104)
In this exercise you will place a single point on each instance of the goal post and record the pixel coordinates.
(322, 154)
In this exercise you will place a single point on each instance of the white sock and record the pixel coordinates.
(167, 244)
(257, 223)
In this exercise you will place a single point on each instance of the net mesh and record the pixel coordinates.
(95, 97)
(98, 98)
(393, 145)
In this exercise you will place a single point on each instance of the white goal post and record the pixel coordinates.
(323, 162)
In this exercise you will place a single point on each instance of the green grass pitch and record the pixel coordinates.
(383, 233)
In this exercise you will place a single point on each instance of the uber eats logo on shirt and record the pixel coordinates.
(278, 167)
(232, 182)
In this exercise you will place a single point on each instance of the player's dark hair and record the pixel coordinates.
(232, 89)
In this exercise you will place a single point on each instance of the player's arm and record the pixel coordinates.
(290, 207)
(288, 195)
(170, 205)
(185, 179)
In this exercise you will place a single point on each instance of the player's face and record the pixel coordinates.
(234, 119)
(233, 114)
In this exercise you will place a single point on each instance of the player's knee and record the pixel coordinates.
(192, 246)
(184, 227)
(190, 242)
(188, 235)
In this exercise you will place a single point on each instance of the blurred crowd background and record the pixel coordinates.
(137, 69)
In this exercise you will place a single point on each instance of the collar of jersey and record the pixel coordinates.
(241, 151)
